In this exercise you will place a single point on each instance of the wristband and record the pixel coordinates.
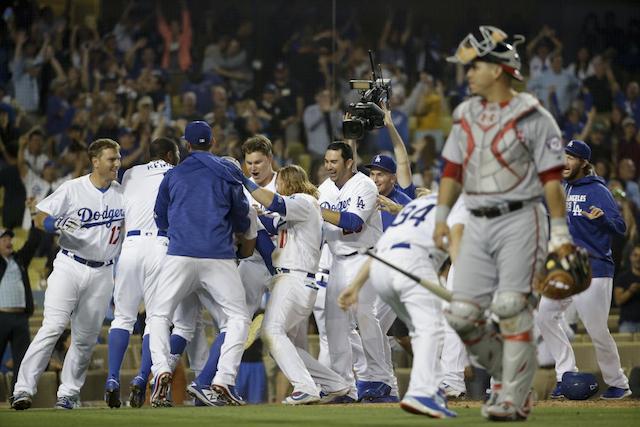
(249, 185)
(50, 224)
(559, 225)
(442, 212)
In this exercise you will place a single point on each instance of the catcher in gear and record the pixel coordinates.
(594, 218)
(505, 153)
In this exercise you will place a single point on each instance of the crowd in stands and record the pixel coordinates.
(65, 82)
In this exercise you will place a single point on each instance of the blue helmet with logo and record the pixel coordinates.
(578, 385)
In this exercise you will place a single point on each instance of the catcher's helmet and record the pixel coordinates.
(578, 385)
(492, 47)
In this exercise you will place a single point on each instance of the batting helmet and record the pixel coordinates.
(492, 47)
(578, 385)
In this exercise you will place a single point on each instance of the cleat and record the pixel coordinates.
(137, 392)
(341, 400)
(300, 398)
(434, 406)
(492, 399)
(112, 393)
(451, 393)
(615, 393)
(507, 411)
(204, 396)
(68, 402)
(228, 394)
(161, 389)
(557, 392)
(21, 401)
(372, 391)
(330, 396)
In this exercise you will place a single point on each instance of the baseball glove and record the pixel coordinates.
(566, 272)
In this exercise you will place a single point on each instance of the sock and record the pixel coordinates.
(178, 344)
(118, 343)
(145, 363)
(211, 367)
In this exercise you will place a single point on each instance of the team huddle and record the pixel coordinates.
(199, 234)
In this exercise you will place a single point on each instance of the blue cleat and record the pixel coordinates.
(228, 394)
(300, 398)
(557, 391)
(340, 400)
(112, 393)
(68, 402)
(373, 391)
(431, 406)
(204, 396)
(137, 392)
(615, 393)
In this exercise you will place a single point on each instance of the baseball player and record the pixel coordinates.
(295, 259)
(406, 243)
(353, 223)
(143, 252)
(505, 152)
(201, 204)
(594, 218)
(88, 213)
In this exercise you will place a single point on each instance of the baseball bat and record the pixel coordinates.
(434, 288)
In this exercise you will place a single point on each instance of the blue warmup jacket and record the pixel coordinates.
(201, 204)
(397, 195)
(594, 235)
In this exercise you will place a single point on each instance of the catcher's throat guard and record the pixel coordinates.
(566, 272)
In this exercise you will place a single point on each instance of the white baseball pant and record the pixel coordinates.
(454, 353)
(291, 302)
(182, 276)
(76, 293)
(419, 309)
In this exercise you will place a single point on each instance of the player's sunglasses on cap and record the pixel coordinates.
(198, 133)
(492, 48)
(6, 232)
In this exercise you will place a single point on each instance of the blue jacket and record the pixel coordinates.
(397, 195)
(201, 204)
(594, 234)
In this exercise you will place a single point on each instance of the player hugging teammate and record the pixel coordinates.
(308, 247)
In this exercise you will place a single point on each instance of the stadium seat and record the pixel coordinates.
(544, 382)
(4, 388)
(629, 354)
(403, 375)
(621, 337)
(585, 357)
(614, 320)
(35, 321)
(93, 388)
(314, 345)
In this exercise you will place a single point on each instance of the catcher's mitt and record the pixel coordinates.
(566, 272)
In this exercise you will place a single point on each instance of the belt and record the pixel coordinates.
(495, 211)
(14, 310)
(159, 233)
(402, 245)
(87, 262)
(312, 285)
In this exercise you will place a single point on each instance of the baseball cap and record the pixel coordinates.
(578, 149)
(383, 162)
(6, 232)
(198, 133)
(629, 121)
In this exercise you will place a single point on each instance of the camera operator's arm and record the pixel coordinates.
(353, 144)
(399, 150)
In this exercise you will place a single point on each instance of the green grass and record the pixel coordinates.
(326, 416)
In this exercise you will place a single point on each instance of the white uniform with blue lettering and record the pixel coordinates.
(143, 250)
(408, 244)
(328, 196)
(253, 272)
(80, 285)
(357, 196)
(293, 296)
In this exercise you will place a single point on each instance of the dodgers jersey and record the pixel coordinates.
(101, 215)
(299, 234)
(415, 223)
(328, 196)
(140, 188)
(358, 196)
(503, 149)
(271, 186)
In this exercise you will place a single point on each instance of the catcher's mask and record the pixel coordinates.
(492, 47)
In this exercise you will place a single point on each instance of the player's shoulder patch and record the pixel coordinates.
(554, 143)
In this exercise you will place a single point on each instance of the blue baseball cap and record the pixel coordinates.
(198, 133)
(383, 162)
(578, 149)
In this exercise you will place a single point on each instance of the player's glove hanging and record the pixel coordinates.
(566, 272)
(67, 224)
